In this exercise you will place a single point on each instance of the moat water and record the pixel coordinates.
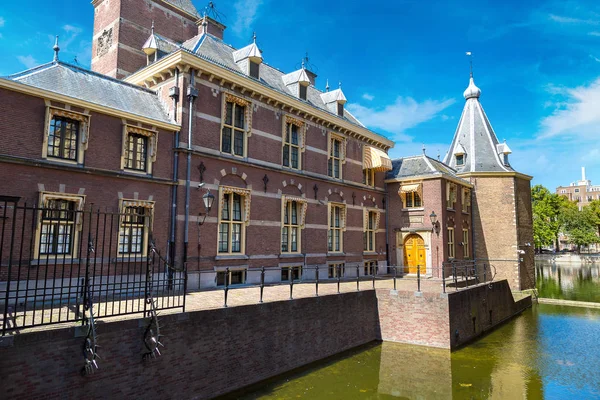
(548, 352)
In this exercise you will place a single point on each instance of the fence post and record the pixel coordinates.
(10, 256)
(443, 278)
(317, 281)
(455, 277)
(291, 272)
(357, 277)
(418, 278)
(475, 272)
(373, 274)
(484, 274)
(86, 291)
(337, 268)
(226, 285)
(262, 283)
(395, 270)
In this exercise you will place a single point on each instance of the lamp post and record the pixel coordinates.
(208, 199)
(434, 222)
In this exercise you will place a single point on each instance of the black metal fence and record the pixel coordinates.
(58, 259)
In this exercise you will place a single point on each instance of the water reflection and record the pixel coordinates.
(548, 352)
(580, 282)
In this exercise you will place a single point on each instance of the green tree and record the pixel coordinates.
(580, 226)
(594, 208)
(548, 209)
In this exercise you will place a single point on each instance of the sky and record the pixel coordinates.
(402, 65)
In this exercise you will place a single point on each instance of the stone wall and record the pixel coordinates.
(206, 353)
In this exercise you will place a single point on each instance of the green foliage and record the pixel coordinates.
(547, 215)
(579, 226)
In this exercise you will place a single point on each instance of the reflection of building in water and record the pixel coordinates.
(411, 375)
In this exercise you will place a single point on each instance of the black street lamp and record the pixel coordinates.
(208, 200)
(434, 222)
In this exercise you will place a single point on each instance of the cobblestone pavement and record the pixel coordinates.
(213, 299)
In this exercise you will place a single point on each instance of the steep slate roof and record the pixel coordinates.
(79, 83)
(216, 51)
(420, 166)
(160, 43)
(185, 5)
(476, 136)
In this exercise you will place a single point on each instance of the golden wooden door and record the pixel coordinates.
(414, 254)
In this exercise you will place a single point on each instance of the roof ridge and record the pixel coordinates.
(30, 71)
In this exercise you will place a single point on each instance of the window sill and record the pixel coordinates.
(335, 253)
(53, 260)
(290, 255)
(135, 172)
(450, 209)
(231, 257)
(126, 258)
(414, 209)
(63, 161)
(369, 253)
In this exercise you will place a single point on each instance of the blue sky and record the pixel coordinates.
(402, 65)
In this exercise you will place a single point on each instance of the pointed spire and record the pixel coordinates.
(56, 49)
(303, 64)
(340, 85)
(152, 27)
(327, 86)
(424, 149)
(254, 37)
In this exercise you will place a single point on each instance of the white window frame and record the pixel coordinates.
(370, 225)
(466, 247)
(333, 229)
(246, 130)
(332, 158)
(124, 204)
(79, 201)
(451, 246)
(83, 134)
(151, 136)
(301, 207)
(245, 196)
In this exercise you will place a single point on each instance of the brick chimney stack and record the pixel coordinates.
(208, 25)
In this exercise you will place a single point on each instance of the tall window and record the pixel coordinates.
(137, 150)
(450, 194)
(335, 237)
(57, 229)
(254, 69)
(294, 273)
(466, 200)
(291, 146)
(336, 157)
(235, 277)
(413, 200)
(302, 90)
(370, 267)
(290, 231)
(369, 232)
(466, 250)
(63, 137)
(131, 234)
(336, 270)
(369, 177)
(451, 252)
(231, 225)
(234, 127)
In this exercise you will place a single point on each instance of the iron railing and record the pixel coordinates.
(57, 260)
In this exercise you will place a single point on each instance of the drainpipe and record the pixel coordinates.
(174, 94)
(192, 93)
(473, 221)
(387, 239)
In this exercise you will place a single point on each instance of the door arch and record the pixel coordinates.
(414, 254)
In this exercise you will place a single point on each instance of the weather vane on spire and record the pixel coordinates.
(470, 55)
(56, 49)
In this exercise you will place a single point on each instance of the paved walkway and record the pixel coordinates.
(214, 299)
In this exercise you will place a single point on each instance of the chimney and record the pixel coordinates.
(583, 173)
(208, 25)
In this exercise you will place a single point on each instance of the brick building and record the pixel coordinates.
(170, 113)
(582, 191)
(501, 205)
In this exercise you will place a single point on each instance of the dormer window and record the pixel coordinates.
(460, 159)
(254, 69)
(505, 159)
(302, 91)
(340, 109)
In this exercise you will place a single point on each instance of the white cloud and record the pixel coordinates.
(2, 22)
(570, 20)
(593, 57)
(72, 29)
(368, 96)
(579, 117)
(594, 33)
(405, 113)
(28, 61)
(246, 12)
